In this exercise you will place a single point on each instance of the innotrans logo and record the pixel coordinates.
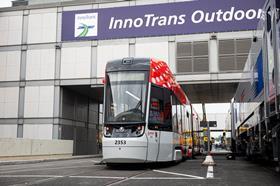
(86, 25)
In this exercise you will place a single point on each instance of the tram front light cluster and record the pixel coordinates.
(108, 131)
(139, 130)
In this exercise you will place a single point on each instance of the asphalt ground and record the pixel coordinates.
(90, 172)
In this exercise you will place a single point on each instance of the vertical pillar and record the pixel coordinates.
(22, 77)
(56, 111)
(132, 47)
(131, 51)
(57, 93)
(56, 104)
(56, 134)
(172, 53)
(213, 54)
(25, 26)
(20, 110)
(93, 72)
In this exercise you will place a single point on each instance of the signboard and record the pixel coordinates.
(198, 16)
(211, 123)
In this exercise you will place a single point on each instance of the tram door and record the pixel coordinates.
(160, 134)
(166, 134)
(153, 145)
(154, 122)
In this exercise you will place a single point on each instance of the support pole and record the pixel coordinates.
(209, 159)
(208, 137)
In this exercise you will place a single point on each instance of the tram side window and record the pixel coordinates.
(184, 119)
(160, 109)
(179, 117)
(167, 126)
(174, 114)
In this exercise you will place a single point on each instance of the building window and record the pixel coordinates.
(233, 54)
(192, 57)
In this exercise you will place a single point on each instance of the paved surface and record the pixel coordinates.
(37, 159)
(90, 172)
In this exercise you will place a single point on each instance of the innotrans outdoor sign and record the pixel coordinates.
(197, 16)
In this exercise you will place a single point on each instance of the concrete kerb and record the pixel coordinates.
(47, 159)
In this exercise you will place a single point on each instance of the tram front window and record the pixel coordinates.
(126, 94)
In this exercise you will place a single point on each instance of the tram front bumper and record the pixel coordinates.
(133, 151)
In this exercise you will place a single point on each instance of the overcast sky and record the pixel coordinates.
(5, 3)
(213, 108)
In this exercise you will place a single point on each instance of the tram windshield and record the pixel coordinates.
(126, 93)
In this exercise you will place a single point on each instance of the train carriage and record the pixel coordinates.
(256, 104)
(146, 113)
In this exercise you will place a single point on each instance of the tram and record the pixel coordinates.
(255, 108)
(147, 116)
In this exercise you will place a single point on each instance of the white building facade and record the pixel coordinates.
(51, 85)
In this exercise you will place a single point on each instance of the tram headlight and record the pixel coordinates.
(139, 130)
(108, 131)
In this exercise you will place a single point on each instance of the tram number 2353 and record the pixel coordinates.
(120, 142)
